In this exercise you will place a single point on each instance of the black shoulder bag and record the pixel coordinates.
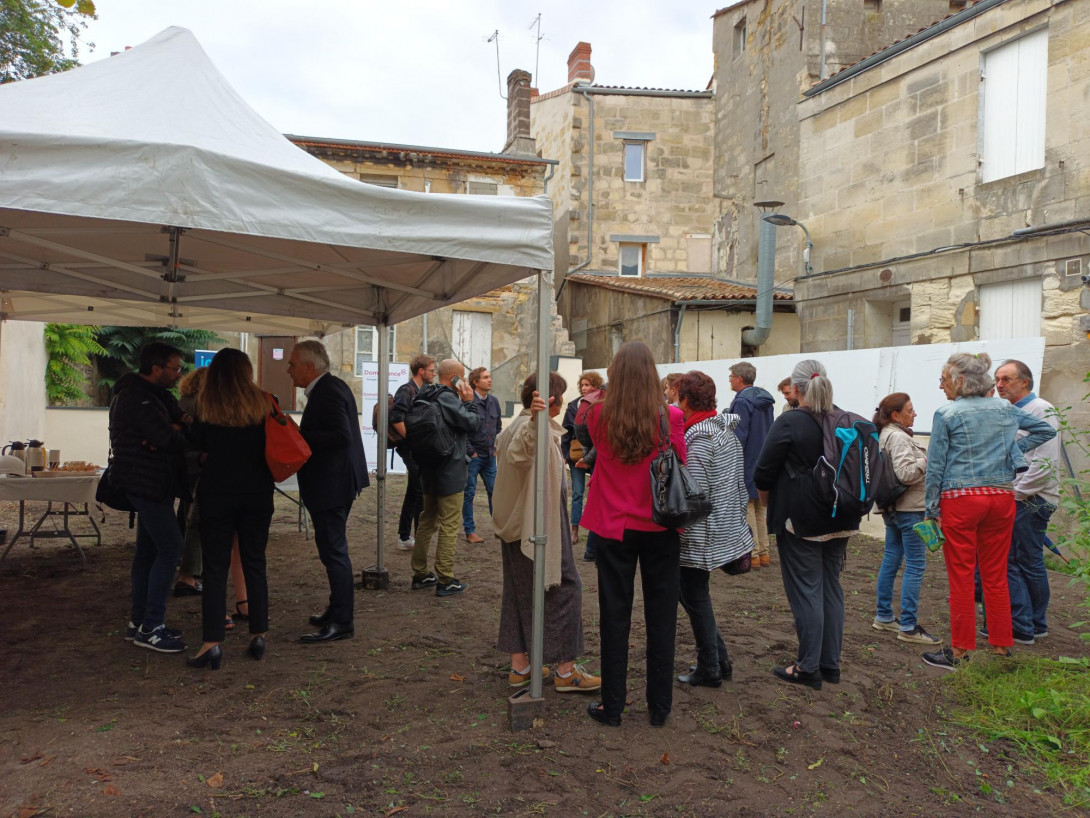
(676, 499)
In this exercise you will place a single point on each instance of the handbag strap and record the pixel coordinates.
(276, 414)
(664, 428)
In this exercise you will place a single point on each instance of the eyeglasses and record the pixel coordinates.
(943, 380)
(173, 368)
(1006, 380)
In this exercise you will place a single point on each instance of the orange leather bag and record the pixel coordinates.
(285, 449)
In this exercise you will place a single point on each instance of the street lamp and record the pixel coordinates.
(781, 220)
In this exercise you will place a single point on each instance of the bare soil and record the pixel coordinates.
(411, 716)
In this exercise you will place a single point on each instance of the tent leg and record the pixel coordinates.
(544, 300)
(377, 578)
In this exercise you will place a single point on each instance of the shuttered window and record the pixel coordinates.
(1013, 95)
(1010, 310)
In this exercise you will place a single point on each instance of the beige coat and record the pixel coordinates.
(513, 496)
(909, 460)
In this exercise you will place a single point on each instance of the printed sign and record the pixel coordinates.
(399, 374)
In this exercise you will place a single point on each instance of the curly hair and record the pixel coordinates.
(699, 389)
(593, 378)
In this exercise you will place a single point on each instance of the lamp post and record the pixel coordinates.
(780, 220)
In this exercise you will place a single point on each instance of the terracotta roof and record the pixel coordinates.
(390, 147)
(634, 90)
(678, 288)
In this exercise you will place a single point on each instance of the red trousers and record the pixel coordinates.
(978, 533)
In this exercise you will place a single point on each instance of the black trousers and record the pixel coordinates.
(811, 580)
(223, 516)
(413, 502)
(332, 542)
(657, 553)
(711, 652)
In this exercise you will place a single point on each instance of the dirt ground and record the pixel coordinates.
(411, 717)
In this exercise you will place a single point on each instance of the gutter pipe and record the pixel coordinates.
(1044, 228)
(705, 302)
(766, 283)
(910, 42)
(824, 16)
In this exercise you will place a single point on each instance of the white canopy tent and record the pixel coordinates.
(143, 190)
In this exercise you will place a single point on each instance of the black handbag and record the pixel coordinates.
(107, 493)
(676, 499)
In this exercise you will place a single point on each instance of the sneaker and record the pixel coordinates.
(159, 640)
(455, 586)
(522, 679)
(429, 580)
(406, 544)
(1023, 638)
(919, 636)
(1040, 635)
(944, 659)
(576, 682)
(588, 556)
(130, 632)
(879, 625)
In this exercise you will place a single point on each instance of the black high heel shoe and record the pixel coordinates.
(257, 648)
(213, 656)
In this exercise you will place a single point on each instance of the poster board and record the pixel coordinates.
(399, 374)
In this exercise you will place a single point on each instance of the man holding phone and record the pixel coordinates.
(444, 482)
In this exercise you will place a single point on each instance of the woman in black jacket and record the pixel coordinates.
(235, 497)
(811, 542)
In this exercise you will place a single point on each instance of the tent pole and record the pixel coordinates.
(377, 578)
(544, 291)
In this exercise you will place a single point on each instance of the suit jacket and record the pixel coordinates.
(337, 470)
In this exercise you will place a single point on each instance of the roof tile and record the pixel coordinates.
(678, 288)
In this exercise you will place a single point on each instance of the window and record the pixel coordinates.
(901, 330)
(740, 37)
(379, 179)
(471, 338)
(632, 260)
(1011, 309)
(698, 249)
(633, 161)
(1014, 90)
(482, 188)
(872, 5)
(367, 346)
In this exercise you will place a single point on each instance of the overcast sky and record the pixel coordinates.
(415, 71)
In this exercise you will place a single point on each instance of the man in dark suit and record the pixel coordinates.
(331, 480)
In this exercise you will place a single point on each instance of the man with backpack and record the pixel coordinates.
(422, 371)
(436, 427)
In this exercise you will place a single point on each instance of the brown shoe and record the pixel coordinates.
(474, 537)
(754, 562)
(575, 533)
(765, 560)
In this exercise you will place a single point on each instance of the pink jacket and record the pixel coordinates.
(619, 495)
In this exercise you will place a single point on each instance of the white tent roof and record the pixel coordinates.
(142, 189)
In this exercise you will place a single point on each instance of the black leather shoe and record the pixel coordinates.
(597, 711)
(329, 632)
(726, 670)
(257, 648)
(698, 678)
(185, 589)
(657, 717)
(811, 679)
(319, 620)
(830, 675)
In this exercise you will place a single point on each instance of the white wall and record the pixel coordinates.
(22, 381)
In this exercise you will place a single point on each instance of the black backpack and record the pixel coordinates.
(889, 488)
(427, 434)
(852, 467)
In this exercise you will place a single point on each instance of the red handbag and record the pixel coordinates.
(285, 449)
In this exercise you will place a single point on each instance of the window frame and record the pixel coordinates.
(641, 250)
(1001, 104)
(641, 144)
(740, 34)
(373, 333)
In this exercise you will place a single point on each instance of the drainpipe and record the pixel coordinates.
(766, 283)
(824, 9)
(677, 334)
(705, 302)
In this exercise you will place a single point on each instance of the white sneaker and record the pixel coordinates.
(406, 545)
(919, 636)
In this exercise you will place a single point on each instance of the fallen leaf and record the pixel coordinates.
(665, 758)
(111, 790)
(37, 754)
(394, 811)
(46, 760)
(121, 761)
(454, 677)
(29, 811)
(815, 765)
(315, 766)
(215, 781)
(101, 775)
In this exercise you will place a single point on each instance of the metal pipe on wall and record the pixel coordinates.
(766, 285)
(380, 432)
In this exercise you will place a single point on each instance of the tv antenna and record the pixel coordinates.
(537, 44)
(495, 38)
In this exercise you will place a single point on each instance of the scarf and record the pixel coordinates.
(696, 417)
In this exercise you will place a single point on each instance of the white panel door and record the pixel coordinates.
(1010, 310)
(471, 338)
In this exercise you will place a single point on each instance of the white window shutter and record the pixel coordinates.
(1015, 89)
(1011, 309)
(1032, 93)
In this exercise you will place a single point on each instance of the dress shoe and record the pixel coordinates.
(726, 670)
(597, 711)
(700, 678)
(792, 674)
(657, 717)
(319, 620)
(257, 648)
(329, 632)
(185, 589)
(213, 656)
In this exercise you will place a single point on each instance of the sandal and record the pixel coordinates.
(228, 624)
(793, 675)
(241, 614)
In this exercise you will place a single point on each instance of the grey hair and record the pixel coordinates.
(815, 389)
(969, 372)
(746, 371)
(313, 352)
(1021, 369)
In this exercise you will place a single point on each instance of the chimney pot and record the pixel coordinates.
(579, 67)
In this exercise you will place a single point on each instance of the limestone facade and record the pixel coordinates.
(892, 172)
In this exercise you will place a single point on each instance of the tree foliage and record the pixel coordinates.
(69, 347)
(121, 347)
(39, 37)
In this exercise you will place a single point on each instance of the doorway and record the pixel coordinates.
(272, 368)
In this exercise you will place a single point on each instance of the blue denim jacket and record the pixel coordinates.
(974, 443)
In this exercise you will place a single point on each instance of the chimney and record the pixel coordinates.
(579, 67)
(519, 140)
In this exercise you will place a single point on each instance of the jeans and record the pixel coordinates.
(158, 549)
(711, 652)
(578, 489)
(1027, 578)
(902, 545)
(486, 468)
(811, 580)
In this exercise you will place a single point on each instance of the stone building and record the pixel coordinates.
(767, 52)
(632, 202)
(946, 183)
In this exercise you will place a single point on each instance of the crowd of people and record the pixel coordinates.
(986, 480)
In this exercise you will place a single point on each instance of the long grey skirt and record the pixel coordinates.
(563, 604)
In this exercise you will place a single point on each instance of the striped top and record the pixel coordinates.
(714, 459)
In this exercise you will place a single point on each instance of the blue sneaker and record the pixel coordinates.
(130, 632)
(159, 640)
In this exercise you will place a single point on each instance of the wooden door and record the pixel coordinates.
(272, 368)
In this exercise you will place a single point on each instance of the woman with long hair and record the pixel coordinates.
(974, 454)
(715, 460)
(894, 417)
(513, 516)
(626, 432)
(811, 542)
(235, 497)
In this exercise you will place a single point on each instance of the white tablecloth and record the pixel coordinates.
(74, 490)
